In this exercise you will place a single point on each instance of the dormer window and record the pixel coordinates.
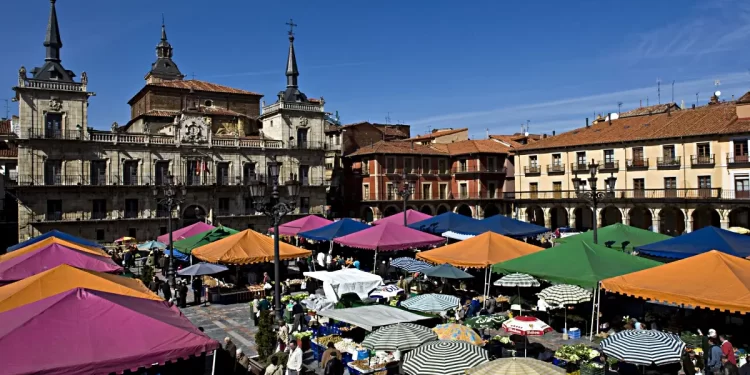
(209, 103)
(54, 74)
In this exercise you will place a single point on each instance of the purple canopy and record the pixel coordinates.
(412, 217)
(387, 237)
(49, 257)
(90, 332)
(309, 222)
(188, 231)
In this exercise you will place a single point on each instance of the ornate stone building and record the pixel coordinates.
(211, 138)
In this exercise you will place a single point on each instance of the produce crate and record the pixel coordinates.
(587, 370)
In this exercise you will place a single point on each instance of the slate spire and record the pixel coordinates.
(291, 62)
(52, 41)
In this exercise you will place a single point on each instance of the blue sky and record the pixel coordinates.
(482, 65)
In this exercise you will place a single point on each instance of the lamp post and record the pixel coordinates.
(173, 196)
(275, 209)
(595, 196)
(405, 193)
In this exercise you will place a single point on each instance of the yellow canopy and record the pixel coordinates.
(49, 241)
(712, 280)
(246, 247)
(63, 278)
(481, 251)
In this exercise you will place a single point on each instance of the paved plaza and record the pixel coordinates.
(219, 321)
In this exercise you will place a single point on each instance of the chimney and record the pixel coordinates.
(412, 145)
(553, 133)
(714, 100)
(693, 106)
(609, 117)
(544, 135)
(587, 122)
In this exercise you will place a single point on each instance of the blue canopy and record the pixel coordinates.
(444, 222)
(178, 255)
(502, 225)
(698, 242)
(151, 245)
(336, 229)
(58, 234)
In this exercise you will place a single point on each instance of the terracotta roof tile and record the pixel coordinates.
(650, 110)
(8, 150)
(392, 130)
(744, 99)
(222, 112)
(5, 127)
(436, 134)
(448, 149)
(509, 139)
(714, 119)
(204, 86)
(161, 113)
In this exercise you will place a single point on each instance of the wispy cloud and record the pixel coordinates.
(276, 71)
(568, 113)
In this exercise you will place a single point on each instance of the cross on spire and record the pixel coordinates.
(291, 25)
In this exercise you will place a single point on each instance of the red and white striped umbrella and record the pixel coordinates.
(526, 326)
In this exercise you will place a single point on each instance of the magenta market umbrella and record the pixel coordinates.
(90, 332)
(309, 222)
(183, 233)
(49, 257)
(389, 237)
(412, 217)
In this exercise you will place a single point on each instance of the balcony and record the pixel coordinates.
(579, 168)
(674, 162)
(393, 171)
(639, 164)
(702, 161)
(555, 169)
(623, 195)
(735, 161)
(438, 196)
(609, 166)
(533, 170)
(480, 169)
(96, 216)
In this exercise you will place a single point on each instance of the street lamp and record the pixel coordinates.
(405, 193)
(275, 209)
(595, 196)
(173, 196)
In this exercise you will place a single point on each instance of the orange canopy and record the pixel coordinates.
(50, 241)
(246, 247)
(63, 278)
(481, 251)
(712, 280)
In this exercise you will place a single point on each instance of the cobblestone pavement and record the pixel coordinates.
(219, 321)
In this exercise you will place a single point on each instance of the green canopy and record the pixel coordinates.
(187, 245)
(618, 233)
(578, 263)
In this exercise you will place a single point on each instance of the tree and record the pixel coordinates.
(265, 338)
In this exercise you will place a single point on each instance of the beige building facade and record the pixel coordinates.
(676, 170)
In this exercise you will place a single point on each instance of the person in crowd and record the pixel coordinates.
(727, 349)
(151, 259)
(230, 347)
(283, 332)
(491, 304)
(745, 369)
(166, 291)
(334, 366)
(302, 265)
(321, 260)
(331, 352)
(274, 368)
(263, 304)
(704, 342)
(355, 263)
(383, 270)
(163, 262)
(128, 259)
(240, 367)
(403, 284)
(294, 363)
(329, 261)
(713, 367)
(183, 292)
(691, 364)
(197, 286)
(729, 367)
(154, 285)
(266, 279)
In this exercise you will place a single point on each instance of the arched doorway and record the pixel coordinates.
(464, 210)
(640, 217)
(559, 217)
(584, 218)
(426, 209)
(390, 211)
(740, 217)
(671, 221)
(610, 215)
(367, 215)
(192, 215)
(705, 216)
(491, 210)
(535, 215)
(442, 209)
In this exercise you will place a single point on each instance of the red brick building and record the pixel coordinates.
(470, 177)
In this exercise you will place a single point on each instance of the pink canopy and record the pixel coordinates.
(49, 257)
(387, 237)
(183, 233)
(90, 332)
(412, 217)
(304, 224)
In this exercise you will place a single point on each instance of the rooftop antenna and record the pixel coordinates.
(193, 74)
(7, 109)
(672, 91)
(658, 89)
(388, 118)
(696, 97)
(619, 107)
(646, 101)
(488, 132)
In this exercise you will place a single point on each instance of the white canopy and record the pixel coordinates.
(457, 236)
(350, 280)
(369, 317)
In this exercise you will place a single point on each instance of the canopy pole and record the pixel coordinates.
(213, 366)
(375, 263)
(593, 309)
(598, 304)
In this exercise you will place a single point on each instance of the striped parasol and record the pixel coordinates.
(516, 366)
(443, 358)
(431, 303)
(517, 280)
(403, 337)
(410, 264)
(457, 332)
(644, 347)
(563, 294)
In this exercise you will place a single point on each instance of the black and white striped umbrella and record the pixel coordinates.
(644, 347)
(563, 294)
(517, 280)
(431, 303)
(443, 358)
(410, 264)
(403, 337)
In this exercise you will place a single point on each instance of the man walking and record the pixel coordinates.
(197, 289)
(294, 364)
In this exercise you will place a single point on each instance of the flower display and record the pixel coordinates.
(576, 353)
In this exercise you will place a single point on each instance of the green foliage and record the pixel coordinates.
(147, 274)
(265, 338)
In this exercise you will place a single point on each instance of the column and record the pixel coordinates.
(571, 217)
(625, 216)
(655, 224)
(688, 220)
(548, 218)
(724, 224)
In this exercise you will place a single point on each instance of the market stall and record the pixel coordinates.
(412, 216)
(442, 223)
(52, 241)
(304, 224)
(389, 237)
(507, 226)
(188, 231)
(698, 242)
(369, 317)
(188, 244)
(28, 263)
(55, 234)
(350, 280)
(618, 236)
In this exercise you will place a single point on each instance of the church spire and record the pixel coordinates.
(163, 49)
(164, 69)
(291, 62)
(52, 41)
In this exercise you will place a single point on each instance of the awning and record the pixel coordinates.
(304, 224)
(389, 237)
(48, 257)
(336, 229)
(187, 245)
(349, 280)
(412, 216)
(51, 241)
(481, 251)
(58, 234)
(618, 233)
(504, 225)
(443, 223)
(247, 247)
(369, 317)
(698, 242)
(188, 231)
